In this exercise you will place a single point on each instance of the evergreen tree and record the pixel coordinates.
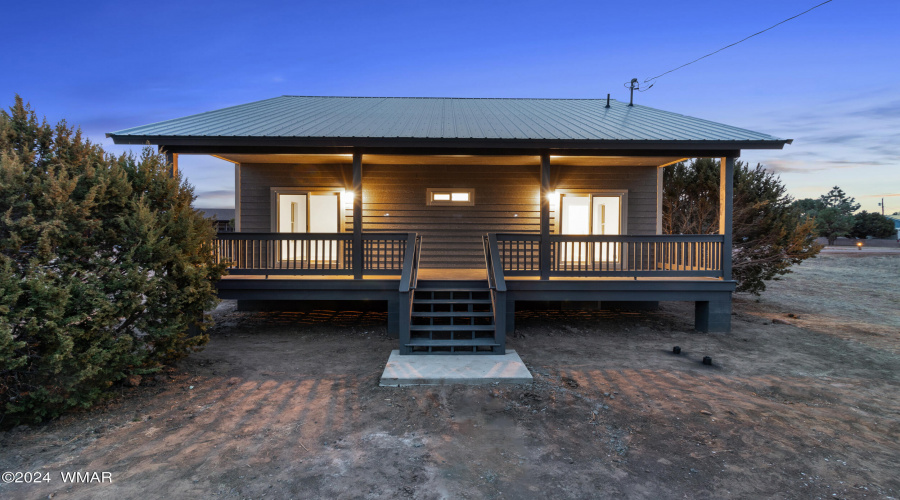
(104, 266)
(767, 237)
(832, 212)
(872, 224)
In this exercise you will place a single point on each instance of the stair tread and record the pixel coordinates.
(452, 328)
(484, 290)
(453, 314)
(457, 343)
(451, 301)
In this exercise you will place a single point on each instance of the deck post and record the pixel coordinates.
(500, 316)
(357, 216)
(403, 333)
(726, 208)
(713, 315)
(545, 216)
(393, 327)
(510, 315)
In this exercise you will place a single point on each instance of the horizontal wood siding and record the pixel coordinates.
(394, 200)
(506, 199)
(640, 182)
(258, 179)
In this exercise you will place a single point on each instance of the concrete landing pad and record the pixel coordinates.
(420, 369)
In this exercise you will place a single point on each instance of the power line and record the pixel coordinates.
(739, 41)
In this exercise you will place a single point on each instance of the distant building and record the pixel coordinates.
(222, 218)
(896, 220)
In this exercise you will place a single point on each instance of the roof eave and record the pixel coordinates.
(478, 143)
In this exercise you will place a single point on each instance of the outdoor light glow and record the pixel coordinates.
(553, 196)
(348, 198)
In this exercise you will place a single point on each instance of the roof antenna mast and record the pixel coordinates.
(634, 85)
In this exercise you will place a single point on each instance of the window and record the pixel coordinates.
(450, 196)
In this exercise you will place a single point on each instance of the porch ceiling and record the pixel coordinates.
(372, 159)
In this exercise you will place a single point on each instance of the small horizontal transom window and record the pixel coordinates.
(451, 196)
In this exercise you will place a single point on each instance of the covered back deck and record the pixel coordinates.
(429, 308)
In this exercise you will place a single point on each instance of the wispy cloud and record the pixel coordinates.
(888, 110)
(804, 167)
(218, 198)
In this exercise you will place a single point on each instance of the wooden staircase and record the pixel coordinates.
(450, 319)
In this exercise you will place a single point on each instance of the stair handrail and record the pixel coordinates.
(497, 287)
(409, 276)
(492, 263)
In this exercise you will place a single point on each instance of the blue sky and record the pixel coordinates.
(829, 79)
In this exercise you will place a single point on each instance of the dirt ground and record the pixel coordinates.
(287, 405)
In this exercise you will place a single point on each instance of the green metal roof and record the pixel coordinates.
(443, 121)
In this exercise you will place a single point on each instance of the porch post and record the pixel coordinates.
(726, 202)
(545, 216)
(237, 197)
(357, 216)
(172, 161)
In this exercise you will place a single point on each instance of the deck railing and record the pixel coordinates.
(686, 255)
(310, 253)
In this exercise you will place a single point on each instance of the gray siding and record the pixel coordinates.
(258, 179)
(394, 200)
(506, 199)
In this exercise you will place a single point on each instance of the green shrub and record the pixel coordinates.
(104, 266)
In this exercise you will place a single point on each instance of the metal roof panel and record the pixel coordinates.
(288, 117)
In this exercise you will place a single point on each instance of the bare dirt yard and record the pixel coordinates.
(803, 401)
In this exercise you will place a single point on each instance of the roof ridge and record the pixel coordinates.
(456, 98)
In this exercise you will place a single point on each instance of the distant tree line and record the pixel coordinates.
(834, 217)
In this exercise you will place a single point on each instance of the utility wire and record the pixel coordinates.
(739, 41)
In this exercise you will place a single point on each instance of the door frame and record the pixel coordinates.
(275, 214)
(276, 191)
(589, 248)
(622, 194)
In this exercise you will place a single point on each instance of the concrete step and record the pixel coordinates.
(458, 368)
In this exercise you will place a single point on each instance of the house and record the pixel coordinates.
(221, 218)
(453, 210)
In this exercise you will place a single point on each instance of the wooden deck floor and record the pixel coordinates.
(462, 275)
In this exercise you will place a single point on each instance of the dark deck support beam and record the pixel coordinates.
(726, 209)
(357, 216)
(545, 216)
